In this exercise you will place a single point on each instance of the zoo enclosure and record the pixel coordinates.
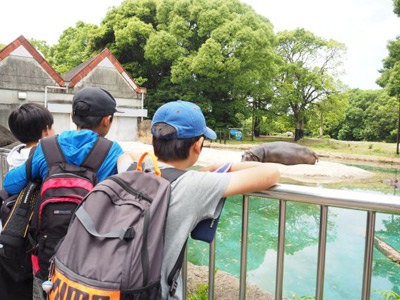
(325, 198)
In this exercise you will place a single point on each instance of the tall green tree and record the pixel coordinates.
(390, 78)
(328, 115)
(369, 116)
(307, 75)
(218, 53)
(396, 4)
(73, 47)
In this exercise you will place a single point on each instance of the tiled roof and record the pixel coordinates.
(78, 73)
(22, 41)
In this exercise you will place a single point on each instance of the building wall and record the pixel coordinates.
(20, 72)
(23, 74)
(111, 80)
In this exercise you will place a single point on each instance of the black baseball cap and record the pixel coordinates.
(99, 102)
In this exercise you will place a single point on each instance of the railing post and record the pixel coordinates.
(368, 255)
(243, 255)
(184, 274)
(281, 250)
(211, 269)
(323, 225)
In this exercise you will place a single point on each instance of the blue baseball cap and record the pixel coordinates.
(186, 117)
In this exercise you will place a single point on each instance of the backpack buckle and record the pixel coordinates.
(130, 233)
(173, 287)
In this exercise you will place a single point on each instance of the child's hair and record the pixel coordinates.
(167, 148)
(28, 122)
(86, 122)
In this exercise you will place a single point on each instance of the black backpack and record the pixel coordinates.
(62, 191)
(114, 245)
(16, 213)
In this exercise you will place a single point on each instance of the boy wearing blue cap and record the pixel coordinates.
(179, 130)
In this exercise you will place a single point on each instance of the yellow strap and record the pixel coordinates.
(153, 157)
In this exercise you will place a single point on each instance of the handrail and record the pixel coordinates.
(325, 198)
(332, 197)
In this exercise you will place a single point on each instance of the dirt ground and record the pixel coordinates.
(226, 285)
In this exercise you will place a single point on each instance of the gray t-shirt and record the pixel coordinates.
(195, 197)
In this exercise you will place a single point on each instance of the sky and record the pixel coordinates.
(364, 26)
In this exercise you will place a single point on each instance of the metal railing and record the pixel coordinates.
(3, 164)
(325, 198)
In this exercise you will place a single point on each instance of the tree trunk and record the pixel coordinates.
(321, 126)
(398, 131)
(256, 130)
(299, 131)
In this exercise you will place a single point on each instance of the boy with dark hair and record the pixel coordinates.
(179, 130)
(29, 123)
(92, 111)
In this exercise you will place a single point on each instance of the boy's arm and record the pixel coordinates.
(251, 176)
(15, 180)
(126, 160)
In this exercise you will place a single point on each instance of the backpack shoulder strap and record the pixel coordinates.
(97, 154)
(28, 164)
(171, 174)
(173, 276)
(52, 151)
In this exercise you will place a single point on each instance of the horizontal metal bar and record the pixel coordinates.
(331, 197)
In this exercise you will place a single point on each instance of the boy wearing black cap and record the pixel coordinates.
(92, 112)
(179, 130)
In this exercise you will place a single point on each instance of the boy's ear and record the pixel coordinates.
(48, 131)
(106, 121)
(198, 145)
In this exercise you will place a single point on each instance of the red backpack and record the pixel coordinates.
(62, 191)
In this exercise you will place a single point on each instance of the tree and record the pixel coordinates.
(2, 46)
(390, 78)
(307, 75)
(218, 53)
(369, 116)
(328, 114)
(73, 47)
(396, 4)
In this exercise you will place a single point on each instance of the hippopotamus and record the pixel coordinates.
(281, 152)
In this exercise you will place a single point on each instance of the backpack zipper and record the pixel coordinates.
(129, 189)
(68, 175)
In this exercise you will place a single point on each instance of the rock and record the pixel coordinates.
(226, 285)
(6, 137)
(387, 250)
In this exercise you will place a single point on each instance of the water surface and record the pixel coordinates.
(345, 246)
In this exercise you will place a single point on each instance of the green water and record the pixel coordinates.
(345, 247)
